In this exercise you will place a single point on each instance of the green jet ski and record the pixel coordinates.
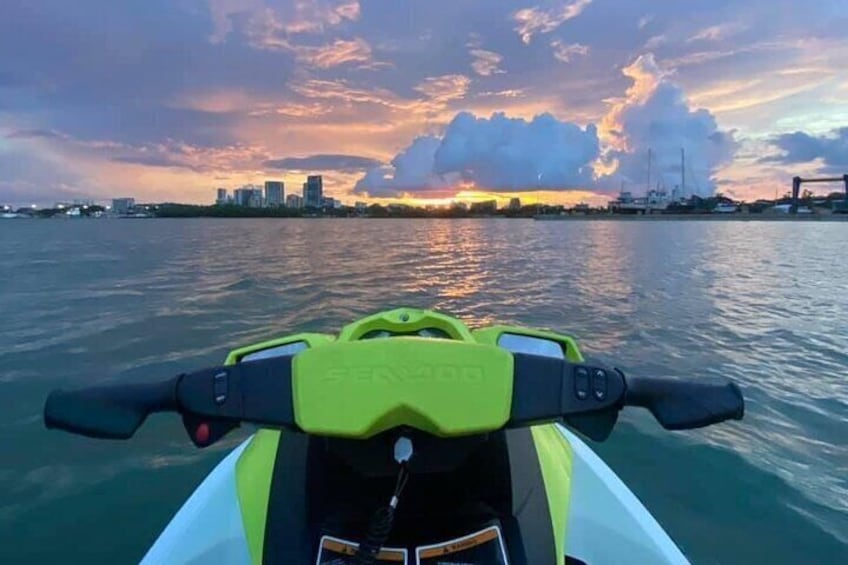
(407, 438)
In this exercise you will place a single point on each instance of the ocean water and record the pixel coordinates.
(765, 304)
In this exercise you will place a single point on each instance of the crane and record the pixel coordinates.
(798, 181)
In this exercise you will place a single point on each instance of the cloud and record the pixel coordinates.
(438, 92)
(342, 91)
(410, 171)
(291, 110)
(655, 114)
(800, 147)
(565, 53)
(718, 32)
(178, 155)
(166, 154)
(337, 53)
(324, 162)
(156, 160)
(285, 78)
(644, 21)
(495, 153)
(507, 93)
(280, 22)
(532, 21)
(500, 153)
(486, 62)
(441, 90)
(655, 41)
(34, 134)
(282, 29)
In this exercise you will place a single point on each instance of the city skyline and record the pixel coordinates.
(555, 101)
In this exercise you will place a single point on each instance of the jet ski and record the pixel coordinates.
(407, 438)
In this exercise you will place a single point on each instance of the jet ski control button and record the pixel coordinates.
(220, 387)
(599, 384)
(581, 383)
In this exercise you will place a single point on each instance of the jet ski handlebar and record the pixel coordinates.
(587, 396)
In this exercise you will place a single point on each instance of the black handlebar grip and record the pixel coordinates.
(109, 412)
(686, 404)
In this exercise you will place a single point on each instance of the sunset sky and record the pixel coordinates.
(559, 100)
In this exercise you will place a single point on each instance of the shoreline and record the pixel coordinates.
(739, 217)
(696, 218)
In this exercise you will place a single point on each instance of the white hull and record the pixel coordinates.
(606, 523)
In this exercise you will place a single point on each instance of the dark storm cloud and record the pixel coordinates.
(330, 162)
(800, 147)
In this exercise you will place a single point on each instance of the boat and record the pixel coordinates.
(653, 201)
(408, 437)
(725, 208)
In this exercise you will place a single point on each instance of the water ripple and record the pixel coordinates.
(751, 301)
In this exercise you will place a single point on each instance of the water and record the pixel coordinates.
(762, 303)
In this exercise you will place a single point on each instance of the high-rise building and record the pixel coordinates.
(274, 193)
(294, 201)
(254, 200)
(241, 196)
(313, 191)
(514, 204)
(123, 205)
(248, 195)
(222, 196)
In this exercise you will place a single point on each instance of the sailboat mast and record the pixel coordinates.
(682, 171)
(649, 170)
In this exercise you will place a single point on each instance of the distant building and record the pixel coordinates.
(294, 201)
(461, 206)
(330, 202)
(487, 207)
(241, 196)
(255, 198)
(249, 196)
(361, 207)
(222, 196)
(84, 202)
(123, 205)
(514, 204)
(274, 193)
(313, 191)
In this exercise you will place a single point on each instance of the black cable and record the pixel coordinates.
(381, 524)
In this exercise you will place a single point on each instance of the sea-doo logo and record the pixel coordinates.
(387, 374)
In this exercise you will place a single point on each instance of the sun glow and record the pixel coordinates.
(470, 196)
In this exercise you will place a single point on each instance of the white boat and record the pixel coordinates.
(725, 208)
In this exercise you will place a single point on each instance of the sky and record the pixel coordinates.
(420, 100)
